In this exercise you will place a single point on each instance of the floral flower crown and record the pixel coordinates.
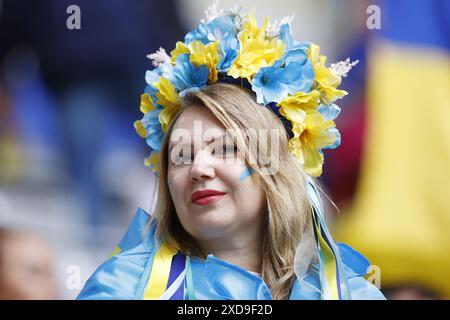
(288, 77)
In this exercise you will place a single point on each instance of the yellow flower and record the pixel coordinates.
(140, 129)
(294, 107)
(152, 161)
(208, 55)
(146, 103)
(168, 98)
(256, 50)
(180, 48)
(146, 106)
(327, 80)
(309, 137)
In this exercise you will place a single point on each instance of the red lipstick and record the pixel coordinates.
(206, 196)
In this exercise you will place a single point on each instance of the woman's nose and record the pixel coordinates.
(202, 167)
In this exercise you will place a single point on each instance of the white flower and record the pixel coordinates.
(341, 68)
(212, 12)
(235, 11)
(159, 57)
(273, 28)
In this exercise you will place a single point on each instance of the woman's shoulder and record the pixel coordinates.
(356, 267)
(141, 231)
(120, 276)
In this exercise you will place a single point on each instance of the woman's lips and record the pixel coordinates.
(207, 200)
(204, 197)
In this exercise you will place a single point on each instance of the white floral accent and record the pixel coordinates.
(273, 29)
(235, 11)
(159, 57)
(217, 35)
(212, 12)
(242, 20)
(341, 68)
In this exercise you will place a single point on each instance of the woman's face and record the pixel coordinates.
(27, 268)
(201, 158)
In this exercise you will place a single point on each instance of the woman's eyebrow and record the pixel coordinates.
(211, 140)
(224, 139)
(176, 143)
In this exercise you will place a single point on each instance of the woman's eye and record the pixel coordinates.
(225, 151)
(182, 158)
(230, 149)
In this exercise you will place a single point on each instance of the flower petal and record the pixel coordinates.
(140, 129)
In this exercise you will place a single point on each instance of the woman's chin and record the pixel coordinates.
(210, 227)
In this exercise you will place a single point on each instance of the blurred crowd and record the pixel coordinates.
(71, 165)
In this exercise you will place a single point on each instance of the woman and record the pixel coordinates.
(238, 215)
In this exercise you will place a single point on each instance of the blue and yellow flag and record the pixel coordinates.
(401, 215)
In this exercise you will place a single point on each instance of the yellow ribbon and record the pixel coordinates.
(160, 272)
(329, 260)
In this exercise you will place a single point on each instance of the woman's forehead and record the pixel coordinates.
(198, 123)
(194, 113)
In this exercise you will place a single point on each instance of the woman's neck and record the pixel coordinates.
(245, 254)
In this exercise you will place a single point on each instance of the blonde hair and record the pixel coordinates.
(287, 208)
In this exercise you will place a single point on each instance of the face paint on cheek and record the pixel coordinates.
(247, 173)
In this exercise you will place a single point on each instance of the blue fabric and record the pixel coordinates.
(178, 266)
(120, 276)
(125, 275)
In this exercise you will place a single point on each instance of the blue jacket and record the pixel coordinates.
(125, 275)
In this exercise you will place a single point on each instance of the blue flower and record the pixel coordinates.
(151, 91)
(286, 36)
(186, 75)
(330, 112)
(217, 28)
(337, 143)
(229, 47)
(292, 73)
(163, 70)
(152, 76)
(151, 123)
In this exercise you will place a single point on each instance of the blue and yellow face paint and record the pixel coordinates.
(247, 173)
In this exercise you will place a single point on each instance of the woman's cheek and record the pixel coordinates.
(177, 184)
(170, 184)
(246, 174)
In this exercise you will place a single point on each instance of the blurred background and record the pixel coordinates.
(71, 165)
